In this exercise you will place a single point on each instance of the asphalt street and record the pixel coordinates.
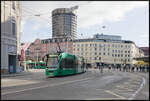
(91, 85)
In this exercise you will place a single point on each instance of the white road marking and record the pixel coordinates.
(121, 97)
(47, 86)
(133, 95)
(104, 99)
(123, 87)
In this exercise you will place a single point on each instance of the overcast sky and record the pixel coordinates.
(129, 19)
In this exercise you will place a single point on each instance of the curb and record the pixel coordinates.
(17, 74)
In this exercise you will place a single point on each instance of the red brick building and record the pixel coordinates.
(39, 48)
(145, 50)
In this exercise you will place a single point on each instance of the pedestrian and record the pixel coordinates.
(126, 68)
(147, 68)
(144, 68)
(137, 68)
(133, 69)
(129, 68)
(109, 68)
(120, 68)
(123, 68)
(140, 68)
(101, 69)
(117, 68)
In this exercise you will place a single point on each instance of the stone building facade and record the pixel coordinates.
(10, 36)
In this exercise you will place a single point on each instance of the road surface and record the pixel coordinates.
(92, 85)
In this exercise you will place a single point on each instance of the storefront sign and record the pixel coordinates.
(11, 49)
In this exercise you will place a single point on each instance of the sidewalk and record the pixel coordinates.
(16, 74)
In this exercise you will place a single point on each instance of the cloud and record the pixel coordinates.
(89, 13)
(99, 12)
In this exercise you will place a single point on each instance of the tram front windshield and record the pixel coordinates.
(52, 62)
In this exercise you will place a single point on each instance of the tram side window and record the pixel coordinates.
(42, 64)
(67, 63)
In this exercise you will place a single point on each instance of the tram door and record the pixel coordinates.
(12, 63)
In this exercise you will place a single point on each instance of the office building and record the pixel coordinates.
(64, 23)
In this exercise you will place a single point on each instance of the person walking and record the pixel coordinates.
(137, 68)
(129, 68)
(133, 69)
(109, 68)
(140, 68)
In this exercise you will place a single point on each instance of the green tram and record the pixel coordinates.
(61, 64)
(37, 65)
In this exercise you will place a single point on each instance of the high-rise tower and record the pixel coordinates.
(64, 23)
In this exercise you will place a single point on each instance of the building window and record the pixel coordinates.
(125, 51)
(99, 58)
(95, 53)
(128, 60)
(125, 55)
(115, 51)
(115, 55)
(103, 53)
(13, 28)
(95, 58)
(108, 54)
(118, 55)
(104, 49)
(121, 51)
(121, 46)
(128, 51)
(99, 53)
(90, 58)
(128, 55)
(112, 55)
(95, 49)
(121, 55)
